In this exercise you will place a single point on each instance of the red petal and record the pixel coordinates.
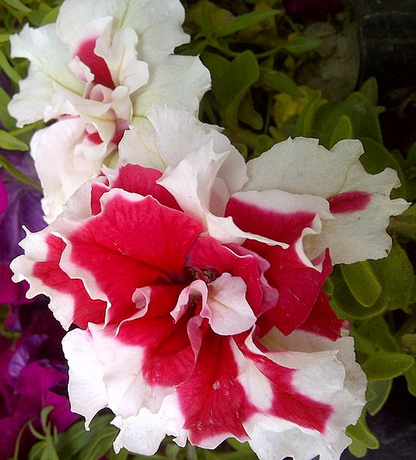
(96, 64)
(86, 310)
(356, 200)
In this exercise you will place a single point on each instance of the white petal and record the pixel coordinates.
(49, 64)
(74, 159)
(87, 391)
(301, 165)
(144, 433)
(178, 81)
(226, 307)
(36, 249)
(157, 22)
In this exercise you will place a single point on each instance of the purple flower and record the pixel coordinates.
(33, 376)
(313, 9)
(23, 207)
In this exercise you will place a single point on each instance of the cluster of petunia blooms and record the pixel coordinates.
(191, 281)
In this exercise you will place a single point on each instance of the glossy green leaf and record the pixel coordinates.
(346, 305)
(17, 5)
(8, 69)
(376, 335)
(376, 158)
(370, 89)
(411, 379)
(343, 130)
(361, 433)
(306, 118)
(384, 365)
(280, 82)
(248, 115)
(231, 82)
(362, 282)
(409, 343)
(380, 390)
(359, 110)
(303, 44)
(243, 21)
(357, 449)
(395, 274)
(405, 224)
(9, 142)
(100, 443)
(5, 117)
(75, 438)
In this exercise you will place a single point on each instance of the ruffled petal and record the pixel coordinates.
(156, 22)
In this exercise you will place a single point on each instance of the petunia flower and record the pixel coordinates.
(196, 285)
(98, 70)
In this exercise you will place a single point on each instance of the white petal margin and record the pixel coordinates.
(302, 166)
(75, 161)
(104, 372)
(326, 372)
(36, 249)
(49, 63)
(156, 22)
(144, 432)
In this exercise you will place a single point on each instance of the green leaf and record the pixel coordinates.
(99, 444)
(51, 16)
(370, 89)
(8, 69)
(231, 82)
(373, 335)
(362, 282)
(17, 5)
(5, 117)
(346, 305)
(357, 449)
(361, 113)
(411, 379)
(305, 120)
(17, 174)
(280, 82)
(385, 366)
(409, 343)
(376, 158)
(243, 21)
(361, 433)
(303, 44)
(37, 450)
(405, 224)
(395, 274)
(343, 130)
(247, 114)
(381, 390)
(8, 142)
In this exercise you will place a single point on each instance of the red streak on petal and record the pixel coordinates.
(322, 320)
(96, 64)
(356, 200)
(212, 398)
(288, 403)
(86, 310)
(94, 138)
(284, 227)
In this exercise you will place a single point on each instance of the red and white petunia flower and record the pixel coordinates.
(98, 70)
(197, 291)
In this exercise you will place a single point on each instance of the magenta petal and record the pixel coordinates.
(133, 244)
(278, 226)
(168, 353)
(298, 286)
(212, 399)
(49, 272)
(96, 64)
